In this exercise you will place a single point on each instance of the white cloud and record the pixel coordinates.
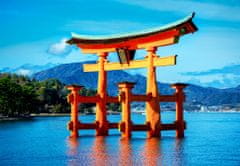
(60, 49)
(35, 53)
(204, 10)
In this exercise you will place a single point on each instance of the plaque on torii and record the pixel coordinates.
(125, 46)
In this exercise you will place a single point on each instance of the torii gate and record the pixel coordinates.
(125, 46)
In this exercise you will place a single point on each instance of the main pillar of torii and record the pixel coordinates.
(125, 46)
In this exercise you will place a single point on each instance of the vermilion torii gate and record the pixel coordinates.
(125, 46)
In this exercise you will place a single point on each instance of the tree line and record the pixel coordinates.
(21, 96)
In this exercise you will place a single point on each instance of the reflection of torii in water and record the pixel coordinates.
(125, 46)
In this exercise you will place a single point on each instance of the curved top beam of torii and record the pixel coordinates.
(160, 36)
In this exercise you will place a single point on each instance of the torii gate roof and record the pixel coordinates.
(159, 36)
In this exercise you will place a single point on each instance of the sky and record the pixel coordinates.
(34, 32)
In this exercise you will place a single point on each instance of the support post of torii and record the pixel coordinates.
(180, 98)
(73, 99)
(125, 99)
(101, 113)
(153, 117)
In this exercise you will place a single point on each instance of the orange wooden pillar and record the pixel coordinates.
(101, 113)
(153, 117)
(73, 100)
(180, 98)
(125, 99)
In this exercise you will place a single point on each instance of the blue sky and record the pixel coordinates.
(34, 32)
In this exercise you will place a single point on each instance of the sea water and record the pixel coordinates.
(210, 139)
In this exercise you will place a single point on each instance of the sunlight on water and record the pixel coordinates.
(123, 153)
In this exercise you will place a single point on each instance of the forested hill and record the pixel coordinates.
(73, 74)
(20, 96)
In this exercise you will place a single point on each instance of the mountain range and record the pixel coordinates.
(27, 69)
(196, 95)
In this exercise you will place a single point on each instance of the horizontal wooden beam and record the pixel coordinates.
(113, 125)
(141, 98)
(87, 126)
(95, 99)
(140, 127)
(135, 127)
(167, 98)
(97, 51)
(112, 99)
(115, 99)
(155, 40)
(172, 126)
(158, 43)
(164, 42)
(158, 61)
(88, 99)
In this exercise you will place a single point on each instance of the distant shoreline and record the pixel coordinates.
(31, 116)
(69, 114)
(4, 118)
(50, 115)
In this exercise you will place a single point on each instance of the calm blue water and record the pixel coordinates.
(211, 139)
